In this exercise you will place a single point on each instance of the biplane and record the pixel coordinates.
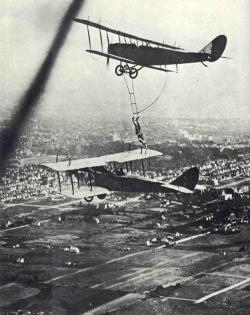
(114, 172)
(135, 53)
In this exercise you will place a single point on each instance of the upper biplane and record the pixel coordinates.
(98, 176)
(140, 52)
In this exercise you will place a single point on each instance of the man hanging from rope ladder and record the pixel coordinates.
(135, 112)
(135, 120)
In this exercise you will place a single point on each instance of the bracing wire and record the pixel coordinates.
(157, 98)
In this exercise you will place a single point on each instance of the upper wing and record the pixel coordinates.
(119, 33)
(123, 157)
(76, 164)
(86, 163)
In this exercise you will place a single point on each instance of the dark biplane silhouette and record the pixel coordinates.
(98, 176)
(142, 52)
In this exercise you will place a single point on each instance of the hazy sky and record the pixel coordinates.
(82, 83)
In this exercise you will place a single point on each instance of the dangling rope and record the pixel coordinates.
(135, 110)
(157, 98)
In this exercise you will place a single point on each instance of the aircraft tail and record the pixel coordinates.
(215, 48)
(188, 179)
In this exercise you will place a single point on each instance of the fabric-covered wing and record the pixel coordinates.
(76, 164)
(85, 192)
(157, 68)
(110, 56)
(99, 53)
(119, 33)
(174, 188)
(93, 162)
(133, 155)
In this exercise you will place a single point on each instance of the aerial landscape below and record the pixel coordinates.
(124, 157)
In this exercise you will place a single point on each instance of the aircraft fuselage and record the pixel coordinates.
(146, 55)
(127, 183)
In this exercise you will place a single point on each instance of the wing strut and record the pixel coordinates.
(78, 180)
(131, 166)
(89, 36)
(101, 38)
(107, 34)
(59, 182)
(90, 181)
(119, 33)
(143, 168)
(126, 166)
(72, 184)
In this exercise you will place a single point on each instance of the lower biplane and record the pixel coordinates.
(114, 172)
(135, 53)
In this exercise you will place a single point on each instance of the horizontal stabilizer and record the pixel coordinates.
(180, 189)
(188, 179)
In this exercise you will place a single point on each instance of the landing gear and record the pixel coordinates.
(132, 71)
(88, 199)
(103, 196)
(119, 70)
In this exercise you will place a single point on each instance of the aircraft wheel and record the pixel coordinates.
(133, 73)
(102, 196)
(88, 199)
(119, 70)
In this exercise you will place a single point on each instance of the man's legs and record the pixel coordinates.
(142, 142)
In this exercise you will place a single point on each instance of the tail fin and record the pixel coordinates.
(188, 179)
(215, 48)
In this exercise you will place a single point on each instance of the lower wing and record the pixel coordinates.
(85, 192)
(125, 60)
